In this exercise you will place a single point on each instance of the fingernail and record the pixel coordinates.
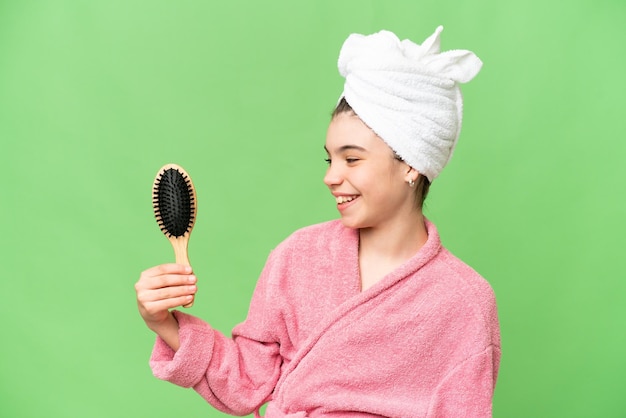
(188, 269)
(192, 279)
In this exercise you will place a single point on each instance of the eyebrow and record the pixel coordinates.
(347, 148)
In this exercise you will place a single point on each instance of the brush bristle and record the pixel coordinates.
(173, 202)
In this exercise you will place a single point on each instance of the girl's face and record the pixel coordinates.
(369, 184)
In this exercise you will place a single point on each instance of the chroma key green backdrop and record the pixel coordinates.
(95, 96)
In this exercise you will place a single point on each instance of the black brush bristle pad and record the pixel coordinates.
(173, 203)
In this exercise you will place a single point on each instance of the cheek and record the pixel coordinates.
(378, 178)
(391, 184)
(380, 183)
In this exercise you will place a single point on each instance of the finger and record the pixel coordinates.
(169, 268)
(158, 307)
(173, 292)
(167, 280)
(145, 296)
(172, 280)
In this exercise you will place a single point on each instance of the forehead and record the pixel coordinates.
(347, 131)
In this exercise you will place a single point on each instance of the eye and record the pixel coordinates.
(351, 160)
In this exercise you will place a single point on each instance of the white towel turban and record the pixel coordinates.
(408, 94)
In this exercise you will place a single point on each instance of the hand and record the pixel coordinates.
(162, 288)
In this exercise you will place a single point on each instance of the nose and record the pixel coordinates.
(333, 176)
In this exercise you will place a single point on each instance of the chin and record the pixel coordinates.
(353, 223)
(348, 223)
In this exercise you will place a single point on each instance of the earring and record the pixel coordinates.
(411, 183)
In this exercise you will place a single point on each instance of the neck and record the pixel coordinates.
(398, 242)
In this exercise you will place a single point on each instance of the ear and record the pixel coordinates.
(411, 175)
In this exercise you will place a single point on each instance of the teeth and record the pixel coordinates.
(344, 199)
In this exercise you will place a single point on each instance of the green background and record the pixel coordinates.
(95, 96)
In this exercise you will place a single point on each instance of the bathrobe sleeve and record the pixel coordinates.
(236, 375)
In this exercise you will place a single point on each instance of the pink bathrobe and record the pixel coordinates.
(422, 342)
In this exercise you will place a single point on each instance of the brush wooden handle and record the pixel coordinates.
(180, 250)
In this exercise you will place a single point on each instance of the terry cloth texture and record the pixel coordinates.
(408, 94)
(422, 342)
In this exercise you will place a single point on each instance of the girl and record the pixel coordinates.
(369, 315)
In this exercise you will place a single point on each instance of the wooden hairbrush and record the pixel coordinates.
(175, 208)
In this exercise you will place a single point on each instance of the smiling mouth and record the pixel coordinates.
(344, 199)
